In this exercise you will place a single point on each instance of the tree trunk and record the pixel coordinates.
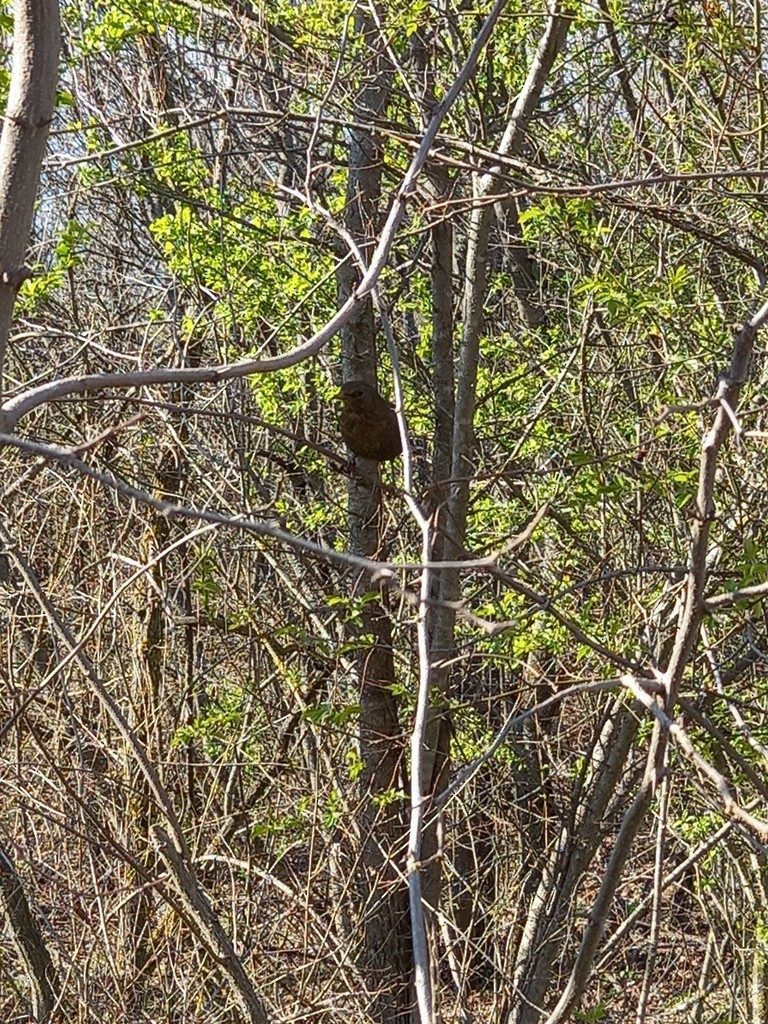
(383, 898)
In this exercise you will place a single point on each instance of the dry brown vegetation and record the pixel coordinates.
(254, 700)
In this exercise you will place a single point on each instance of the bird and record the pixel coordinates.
(368, 422)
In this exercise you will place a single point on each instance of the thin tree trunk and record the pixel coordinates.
(24, 137)
(28, 941)
(382, 896)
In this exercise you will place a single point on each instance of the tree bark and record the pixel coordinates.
(28, 117)
(386, 959)
(28, 941)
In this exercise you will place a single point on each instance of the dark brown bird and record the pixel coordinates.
(368, 422)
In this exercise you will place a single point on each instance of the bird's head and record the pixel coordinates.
(357, 395)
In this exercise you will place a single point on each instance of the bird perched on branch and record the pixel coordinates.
(368, 422)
